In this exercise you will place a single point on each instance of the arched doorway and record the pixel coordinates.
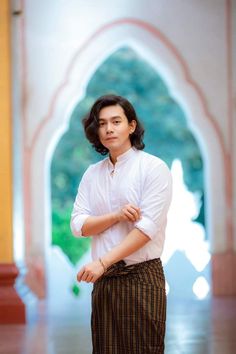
(167, 136)
(149, 43)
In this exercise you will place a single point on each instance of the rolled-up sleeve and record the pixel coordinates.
(155, 201)
(81, 209)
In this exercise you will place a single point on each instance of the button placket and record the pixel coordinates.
(114, 196)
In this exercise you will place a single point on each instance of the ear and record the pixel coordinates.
(132, 126)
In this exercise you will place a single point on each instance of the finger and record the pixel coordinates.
(90, 278)
(95, 278)
(86, 276)
(138, 211)
(129, 215)
(80, 274)
(134, 213)
(134, 207)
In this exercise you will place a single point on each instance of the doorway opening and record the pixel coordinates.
(167, 135)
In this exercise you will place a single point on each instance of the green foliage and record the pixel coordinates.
(73, 247)
(166, 135)
(75, 289)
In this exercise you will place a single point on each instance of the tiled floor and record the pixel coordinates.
(193, 327)
(201, 327)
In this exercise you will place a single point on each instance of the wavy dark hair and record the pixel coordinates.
(91, 122)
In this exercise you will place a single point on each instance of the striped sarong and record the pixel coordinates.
(129, 309)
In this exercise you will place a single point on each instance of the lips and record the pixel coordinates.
(111, 138)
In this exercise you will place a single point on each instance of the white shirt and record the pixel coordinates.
(138, 178)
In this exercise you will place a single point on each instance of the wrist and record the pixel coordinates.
(108, 260)
(116, 217)
(103, 264)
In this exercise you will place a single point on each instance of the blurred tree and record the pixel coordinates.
(166, 135)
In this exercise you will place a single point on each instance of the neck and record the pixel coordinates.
(115, 154)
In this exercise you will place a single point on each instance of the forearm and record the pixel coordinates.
(96, 224)
(135, 240)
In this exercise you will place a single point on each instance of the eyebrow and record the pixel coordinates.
(114, 117)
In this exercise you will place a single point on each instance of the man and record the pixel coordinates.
(122, 202)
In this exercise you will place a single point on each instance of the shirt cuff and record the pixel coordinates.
(77, 223)
(147, 226)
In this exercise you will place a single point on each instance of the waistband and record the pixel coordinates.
(120, 268)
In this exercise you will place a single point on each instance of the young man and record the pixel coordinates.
(122, 202)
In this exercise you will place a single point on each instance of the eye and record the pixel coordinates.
(117, 121)
(101, 124)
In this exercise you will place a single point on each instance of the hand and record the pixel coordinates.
(129, 213)
(90, 272)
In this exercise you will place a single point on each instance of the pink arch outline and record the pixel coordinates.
(157, 34)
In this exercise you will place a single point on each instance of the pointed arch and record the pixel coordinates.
(157, 50)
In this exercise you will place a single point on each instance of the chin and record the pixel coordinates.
(112, 145)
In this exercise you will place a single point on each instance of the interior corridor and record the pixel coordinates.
(193, 327)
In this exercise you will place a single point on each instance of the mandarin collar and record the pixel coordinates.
(125, 156)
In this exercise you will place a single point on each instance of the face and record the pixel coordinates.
(114, 129)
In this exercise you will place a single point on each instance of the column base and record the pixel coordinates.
(224, 274)
(12, 308)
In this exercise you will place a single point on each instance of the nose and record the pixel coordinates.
(109, 128)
